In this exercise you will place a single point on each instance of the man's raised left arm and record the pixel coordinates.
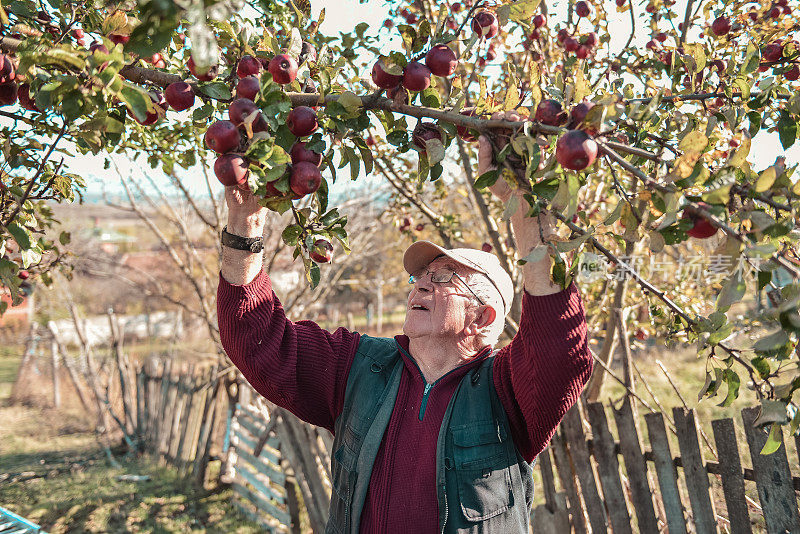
(541, 373)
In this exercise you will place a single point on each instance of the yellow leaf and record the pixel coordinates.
(512, 94)
(695, 140)
(765, 180)
(523, 10)
(741, 153)
(350, 101)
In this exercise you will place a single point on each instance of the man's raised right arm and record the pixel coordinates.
(299, 365)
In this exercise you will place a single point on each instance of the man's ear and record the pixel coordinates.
(485, 316)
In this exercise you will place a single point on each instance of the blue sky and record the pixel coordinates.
(343, 15)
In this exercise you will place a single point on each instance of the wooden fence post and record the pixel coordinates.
(56, 383)
(773, 478)
(636, 467)
(666, 472)
(566, 475)
(694, 471)
(730, 467)
(579, 451)
(603, 449)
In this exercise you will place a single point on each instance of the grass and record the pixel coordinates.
(89, 498)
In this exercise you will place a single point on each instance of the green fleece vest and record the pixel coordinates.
(483, 484)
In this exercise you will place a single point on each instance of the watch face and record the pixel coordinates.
(256, 247)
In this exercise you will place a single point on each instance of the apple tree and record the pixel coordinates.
(645, 150)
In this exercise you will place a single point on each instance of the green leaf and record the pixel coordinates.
(147, 39)
(215, 90)
(774, 440)
(291, 233)
(771, 342)
(787, 129)
(20, 235)
(313, 275)
(732, 379)
(732, 291)
(772, 411)
(486, 179)
(136, 100)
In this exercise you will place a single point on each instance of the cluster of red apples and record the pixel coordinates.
(229, 138)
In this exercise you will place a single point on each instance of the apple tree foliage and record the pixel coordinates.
(668, 126)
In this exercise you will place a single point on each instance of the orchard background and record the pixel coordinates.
(661, 134)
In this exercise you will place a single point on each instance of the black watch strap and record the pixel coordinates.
(250, 244)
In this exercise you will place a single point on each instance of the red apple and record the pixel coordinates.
(180, 96)
(578, 114)
(26, 100)
(117, 38)
(248, 66)
(582, 8)
(441, 60)
(23, 275)
(383, 78)
(562, 35)
(485, 24)
(305, 178)
(423, 132)
(302, 121)
(571, 44)
(486, 247)
(791, 74)
(661, 37)
(590, 39)
(721, 26)
(97, 45)
(398, 94)
(240, 109)
(322, 252)
(701, 227)
(203, 75)
(772, 52)
(8, 93)
(283, 68)
(463, 132)
(549, 112)
(231, 169)
(576, 150)
(7, 71)
(299, 153)
(222, 137)
(583, 52)
(539, 20)
(247, 87)
(416, 76)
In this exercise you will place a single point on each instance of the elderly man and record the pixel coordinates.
(434, 430)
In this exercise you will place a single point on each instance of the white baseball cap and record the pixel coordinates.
(421, 253)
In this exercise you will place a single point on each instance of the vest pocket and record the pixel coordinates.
(482, 470)
(344, 476)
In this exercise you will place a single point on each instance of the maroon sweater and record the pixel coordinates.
(303, 368)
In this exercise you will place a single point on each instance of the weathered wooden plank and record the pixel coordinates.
(636, 467)
(267, 452)
(773, 478)
(608, 469)
(293, 504)
(207, 420)
(270, 471)
(261, 483)
(579, 451)
(730, 469)
(694, 471)
(548, 480)
(251, 426)
(666, 473)
(191, 402)
(243, 506)
(263, 505)
(140, 411)
(567, 477)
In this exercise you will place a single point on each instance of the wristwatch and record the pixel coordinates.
(250, 244)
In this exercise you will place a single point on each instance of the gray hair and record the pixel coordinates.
(483, 287)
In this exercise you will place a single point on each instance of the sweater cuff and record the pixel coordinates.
(258, 289)
(565, 303)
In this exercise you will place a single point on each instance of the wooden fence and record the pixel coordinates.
(620, 485)
(176, 415)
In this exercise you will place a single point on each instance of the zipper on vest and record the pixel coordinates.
(424, 403)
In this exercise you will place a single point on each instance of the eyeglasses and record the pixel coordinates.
(442, 276)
